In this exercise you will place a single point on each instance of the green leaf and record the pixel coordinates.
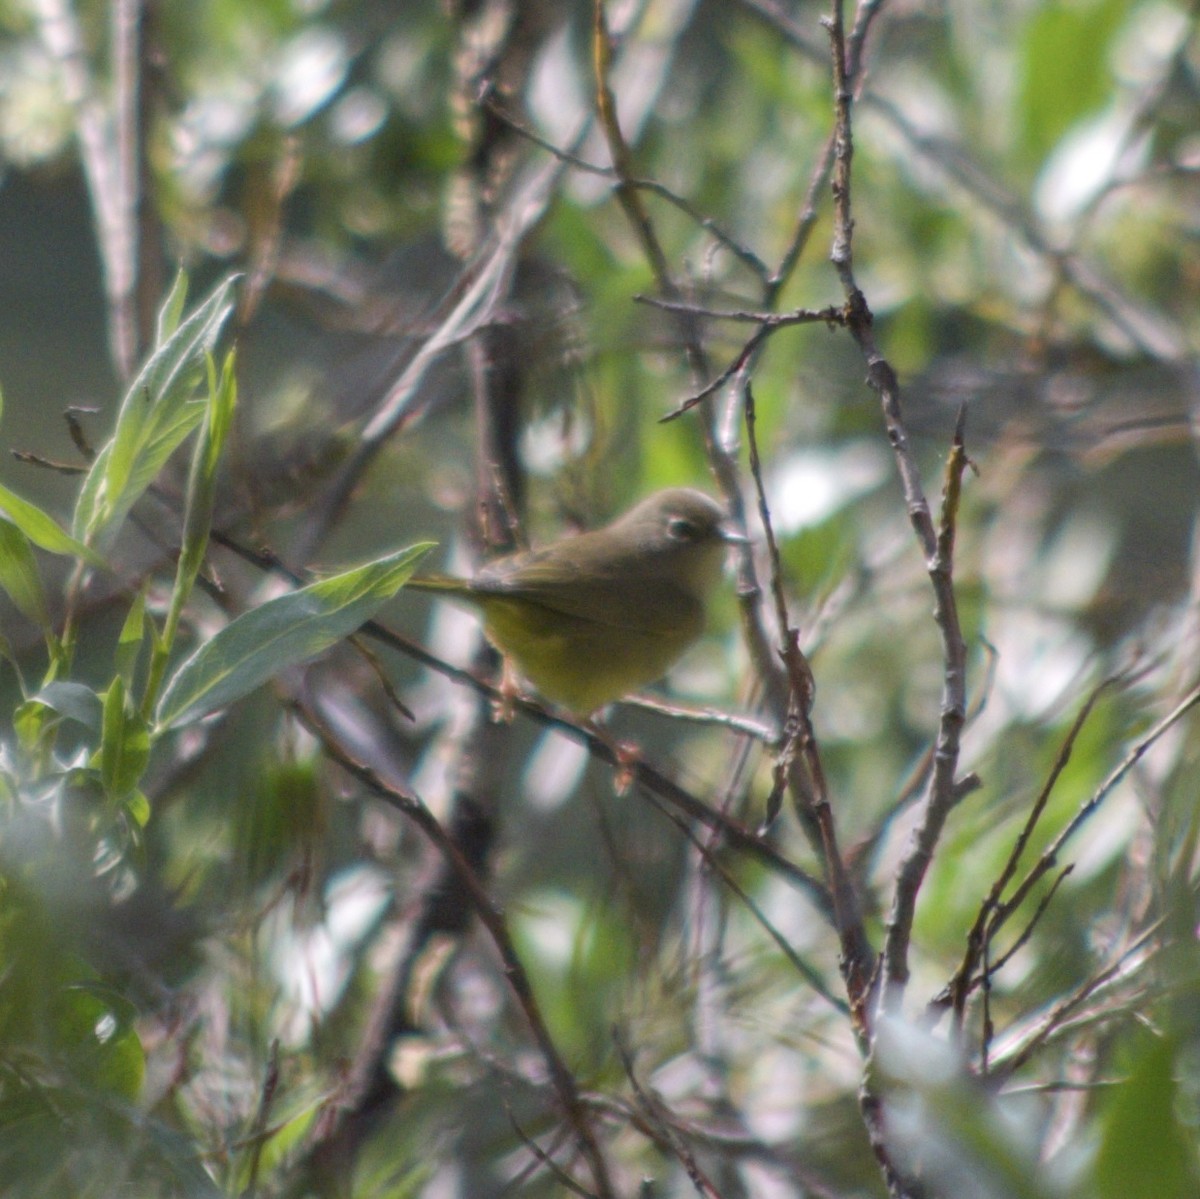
(42, 530)
(133, 635)
(6, 655)
(1065, 72)
(172, 308)
(124, 744)
(164, 434)
(28, 721)
(73, 701)
(1145, 1151)
(202, 484)
(197, 519)
(281, 633)
(138, 807)
(183, 350)
(94, 1024)
(160, 438)
(19, 575)
(222, 402)
(157, 413)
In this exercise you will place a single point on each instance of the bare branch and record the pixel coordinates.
(809, 973)
(945, 788)
(809, 788)
(651, 1109)
(990, 968)
(1151, 329)
(745, 725)
(1049, 858)
(955, 993)
(543, 1158)
(771, 320)
(1027, 1043)
(742, 253)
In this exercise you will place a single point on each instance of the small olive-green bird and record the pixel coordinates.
(598, 615)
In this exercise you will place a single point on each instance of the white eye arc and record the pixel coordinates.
(679, 528)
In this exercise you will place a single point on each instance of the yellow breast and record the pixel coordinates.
(580, 663)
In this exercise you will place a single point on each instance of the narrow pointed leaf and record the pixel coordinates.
(129, 644)
(157, 413)
(172, 308)
(72, 700)
(42, 530)
(281, 633)
(19, 575)
(124, 744)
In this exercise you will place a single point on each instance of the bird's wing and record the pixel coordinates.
(605, 597)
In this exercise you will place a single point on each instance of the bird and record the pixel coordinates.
(600, 614)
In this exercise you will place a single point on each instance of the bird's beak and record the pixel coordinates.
(730, 535)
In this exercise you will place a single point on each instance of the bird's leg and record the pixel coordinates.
(627, 756)
(509, 689)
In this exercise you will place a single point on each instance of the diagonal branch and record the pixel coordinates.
(1089, 807)
(945, 787)
(492, 918)
(956, 991)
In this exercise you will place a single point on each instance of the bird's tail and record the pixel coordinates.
(444, 584)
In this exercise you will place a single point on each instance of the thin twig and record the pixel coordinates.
(735, 833)
(942, 790)
(955, 992)
(743, 254)
(767, 322)
(722, 455)
(864, 17)
(991, 969)
(806, 221)
(1151, 330)
(832, 315)
(730, 1138)
(628, 196)
(1130, 961)
(945, 788)
(818, 180)
(915, 784)
(746, 725)
(736, 367)
(1043, 904)
(1049, 858)
(809, 973)
(543, 1158)
(651, 1109)
(63, 468)
(800, 741)
(381, 676)
(266, 1100)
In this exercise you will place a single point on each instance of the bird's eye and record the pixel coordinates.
(679, 528)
